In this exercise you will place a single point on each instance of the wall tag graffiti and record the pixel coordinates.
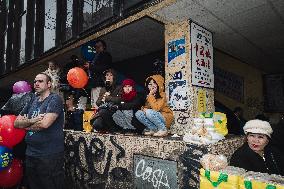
(177, 75)
(178, 98)
(154, 173)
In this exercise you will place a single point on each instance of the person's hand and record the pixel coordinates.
(153, 90)
(106, 94)
(38, 118)
(144, 109)
(114, 108)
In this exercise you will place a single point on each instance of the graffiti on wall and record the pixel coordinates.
(108, 160)
(178, 75)
(154, 173)
(93, 168)
(178, 98)
(183, 118)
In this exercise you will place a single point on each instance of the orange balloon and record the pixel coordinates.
(77, 78)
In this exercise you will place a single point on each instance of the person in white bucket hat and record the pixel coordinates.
(256, 154)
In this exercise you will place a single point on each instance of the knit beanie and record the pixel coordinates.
(132, 94)
(128, 82)
(258, 127)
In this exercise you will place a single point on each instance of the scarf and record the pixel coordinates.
(129, 96)
(132, 94)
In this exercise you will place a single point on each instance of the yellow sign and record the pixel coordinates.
(201, 100)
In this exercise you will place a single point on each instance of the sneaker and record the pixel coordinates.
(149, 133)
(161, 133)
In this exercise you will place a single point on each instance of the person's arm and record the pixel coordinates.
(156, 104)
(240, 158)
(7, 106)
(115, 96)
(44, 123)
(101, 96)
(22, 122)
(114, 99)
(132, 105)
(53, 110)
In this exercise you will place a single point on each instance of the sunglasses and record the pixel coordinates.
(40, 81)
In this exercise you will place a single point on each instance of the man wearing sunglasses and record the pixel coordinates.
(43, 119)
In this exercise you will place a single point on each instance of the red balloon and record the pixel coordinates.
(77, 78)
(10, 136)
(13, 175)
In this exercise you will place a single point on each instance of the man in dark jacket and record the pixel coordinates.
(236, 122)
(100, 63)
(277, 136)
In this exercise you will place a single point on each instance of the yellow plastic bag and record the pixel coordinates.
(214, 179)
(86, 121)
(254, 184)
(220, 123)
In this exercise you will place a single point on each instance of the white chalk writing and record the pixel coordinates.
(157, 177)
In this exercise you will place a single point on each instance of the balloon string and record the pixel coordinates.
(86, 92)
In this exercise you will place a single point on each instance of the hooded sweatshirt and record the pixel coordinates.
(160, 104)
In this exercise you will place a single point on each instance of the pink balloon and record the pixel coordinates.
(21, 87)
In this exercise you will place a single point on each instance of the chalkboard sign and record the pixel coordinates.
(153, 173)
(274, 93)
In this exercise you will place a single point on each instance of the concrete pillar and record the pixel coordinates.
(182, 95)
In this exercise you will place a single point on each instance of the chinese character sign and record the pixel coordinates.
(201, 57)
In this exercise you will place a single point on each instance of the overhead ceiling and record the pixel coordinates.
(139, 38)
(135, 39)
(251, 30)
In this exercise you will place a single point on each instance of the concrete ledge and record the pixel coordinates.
(97, 161)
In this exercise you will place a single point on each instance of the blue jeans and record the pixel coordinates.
(152, 119)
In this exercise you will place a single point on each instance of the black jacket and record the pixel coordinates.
(135, 104)
(114, 97)
(17, 102)
(277, 136)
(235, 124)
(246, 158)
(101, 62)
(74, 120)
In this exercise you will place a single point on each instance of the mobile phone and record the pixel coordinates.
(108, 85)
